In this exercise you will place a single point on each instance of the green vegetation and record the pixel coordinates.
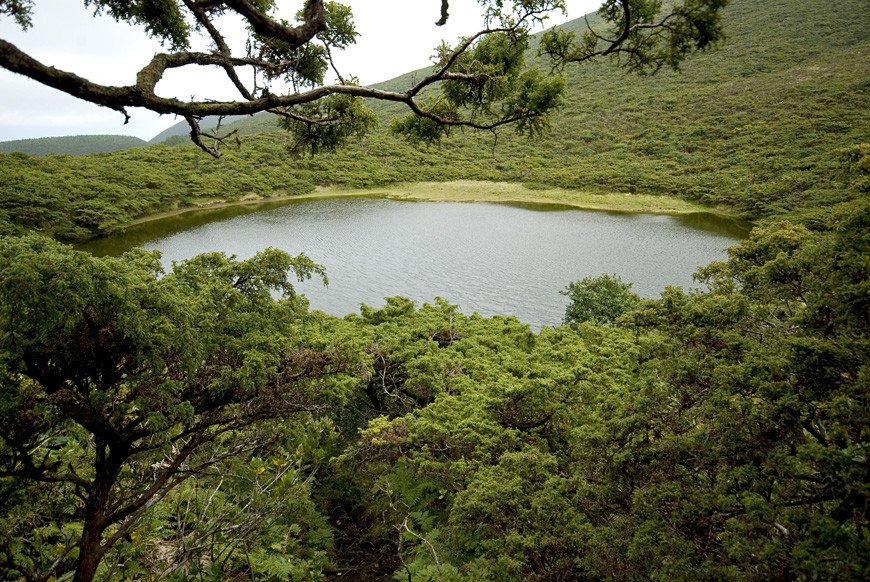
(758, 128)
(203, 423)
(720, 433)
(193, 363)
(598, 300)
(73, 145)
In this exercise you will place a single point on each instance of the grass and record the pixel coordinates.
(460, 191)
(513, 193)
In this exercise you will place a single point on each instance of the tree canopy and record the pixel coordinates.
(195, 425)
(201, 423)
(479, 81)
(119, 385)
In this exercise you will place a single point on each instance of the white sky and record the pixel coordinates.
(396, 36)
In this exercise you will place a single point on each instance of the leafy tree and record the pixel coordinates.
(718, 433)
(119, 384)
(485, 84)
(750, 409)
(599, 299)
(712, 435)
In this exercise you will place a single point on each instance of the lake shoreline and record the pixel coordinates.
(469, 254)
(472, 192)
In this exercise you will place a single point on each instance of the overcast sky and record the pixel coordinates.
(396, 36)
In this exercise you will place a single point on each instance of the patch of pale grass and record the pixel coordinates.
(506, 192)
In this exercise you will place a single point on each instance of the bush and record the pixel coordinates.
(599, 300)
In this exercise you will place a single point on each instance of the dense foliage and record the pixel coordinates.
(721, 433)
(599, 299)
(74, 145)
(129, 384)
(202, 423)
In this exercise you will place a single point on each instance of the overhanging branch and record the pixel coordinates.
(292, 53)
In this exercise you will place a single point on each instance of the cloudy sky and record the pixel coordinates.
(396, 36)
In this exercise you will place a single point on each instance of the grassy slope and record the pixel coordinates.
(72, 144)
(182, 129)
(755, 127)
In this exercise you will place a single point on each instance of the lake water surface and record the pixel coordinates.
(489, 258)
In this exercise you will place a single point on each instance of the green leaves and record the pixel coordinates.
(117, 380)
(340, 31)
(327, 124)
(535, 96)
(716, 432)
(598, 300)
(19, 10)
(420, 128)
(643, 38)
(485, 87)
(305, 66)
(162, 19)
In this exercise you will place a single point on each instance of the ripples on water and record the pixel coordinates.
(489, 258)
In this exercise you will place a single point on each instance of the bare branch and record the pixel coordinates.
(314, 21)
(444, 15)
(221, 45)
(626, 29)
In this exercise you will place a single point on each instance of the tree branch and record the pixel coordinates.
(221, 45)
(313, 14)
(444, 15)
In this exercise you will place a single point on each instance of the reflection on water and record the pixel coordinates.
(489, 258)
(140, 234)
(712, 223)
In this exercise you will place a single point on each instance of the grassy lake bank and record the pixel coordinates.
(468, 191)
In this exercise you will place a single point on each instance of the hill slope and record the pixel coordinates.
(182, 129)
(75, 145)
(757, 127)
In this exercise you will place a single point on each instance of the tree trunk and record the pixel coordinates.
(90, 545)
(90, 554)
(91, 550)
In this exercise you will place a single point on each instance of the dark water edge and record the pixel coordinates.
(716, 223)
(135, 235)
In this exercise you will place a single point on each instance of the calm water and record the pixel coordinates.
(489, 258)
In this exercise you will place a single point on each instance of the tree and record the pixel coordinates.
(598, 299)
(118, 385)
(716, 434)
(482, 79)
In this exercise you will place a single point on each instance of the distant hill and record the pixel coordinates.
(74, 145)
(183, 129)
(758, 126)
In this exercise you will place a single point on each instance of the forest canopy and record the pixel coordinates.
(200, 422)
(194, 425)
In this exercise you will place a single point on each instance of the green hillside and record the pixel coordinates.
(757, 127)
(74, 145)
(182, 129)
